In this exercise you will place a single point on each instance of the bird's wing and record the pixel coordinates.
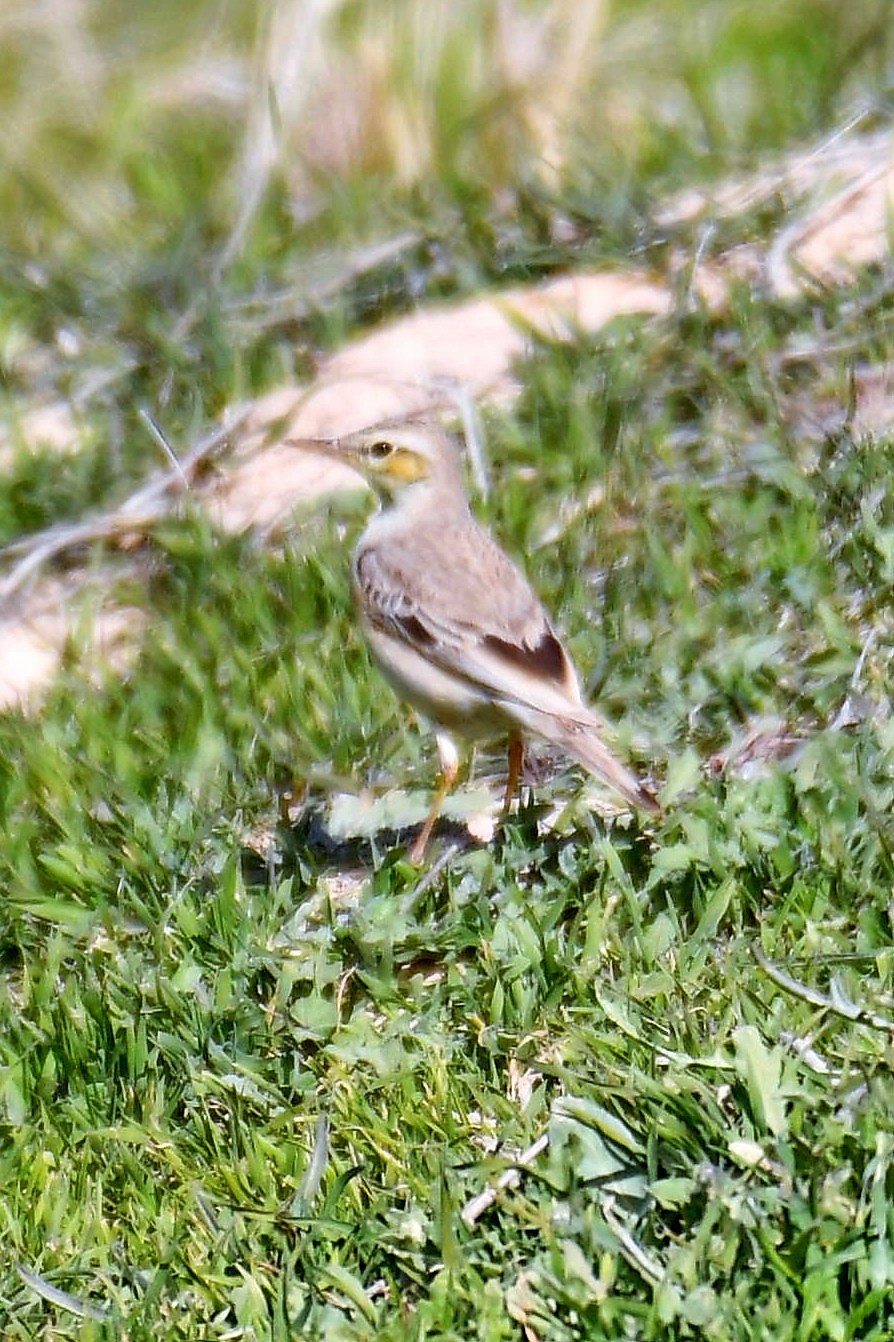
(478, 620)
(462, 603)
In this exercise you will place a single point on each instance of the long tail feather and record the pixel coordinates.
(579, 735)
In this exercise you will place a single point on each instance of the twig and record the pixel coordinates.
(316, 1166)
(651, 1270)
(61, 1299)
(474, 437)
(138, 512)
(155, 429)
(779, 265)
(837, 1003)
(707, 236)
(296, 302)
(842, 718)
(480, 1203)
(805, 1051)
(428, 880)
(635, 1254)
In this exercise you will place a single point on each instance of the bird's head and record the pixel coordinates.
(396, 458)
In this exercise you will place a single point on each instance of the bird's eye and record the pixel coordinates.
(379, 451)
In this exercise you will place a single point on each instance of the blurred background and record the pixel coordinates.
(199, 201)
(200, 198)
(145, 130)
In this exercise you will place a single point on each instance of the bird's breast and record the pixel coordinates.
(446, 700)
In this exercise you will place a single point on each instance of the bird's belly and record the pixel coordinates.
(447, 700)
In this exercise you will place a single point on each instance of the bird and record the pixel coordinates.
(453, 622)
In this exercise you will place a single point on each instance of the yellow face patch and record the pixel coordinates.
(406, 466)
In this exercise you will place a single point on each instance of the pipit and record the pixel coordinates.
(453, 622)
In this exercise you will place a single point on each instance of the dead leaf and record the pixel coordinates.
(54, 612)
(831, 242)
(425, 362)
(838, 195)
(417, 364)
(474, 343)
(842, 157)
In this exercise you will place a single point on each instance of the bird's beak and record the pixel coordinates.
(335, 449)
(331, 449)
(323, 447)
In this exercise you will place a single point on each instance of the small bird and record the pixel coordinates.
(453, 622)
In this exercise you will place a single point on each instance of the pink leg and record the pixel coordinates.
(513, 778)
(449, 771)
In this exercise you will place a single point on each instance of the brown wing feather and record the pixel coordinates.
(480, 599)
(547, 659)
(456, 573)
(481, 623)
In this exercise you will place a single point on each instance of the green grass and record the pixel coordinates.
(249, 1076)
(177, 1025)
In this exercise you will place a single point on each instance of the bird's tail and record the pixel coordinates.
(580, 736)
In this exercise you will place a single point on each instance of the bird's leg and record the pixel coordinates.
(449, 769)
(513, 778)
